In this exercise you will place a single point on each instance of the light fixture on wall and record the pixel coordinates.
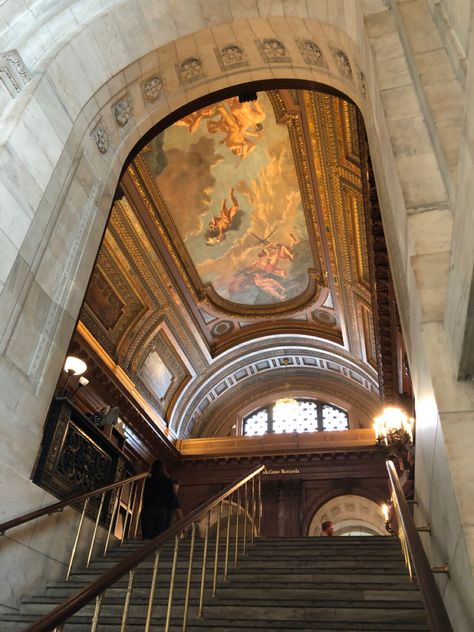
(83, 381)
(394, 432)
(73, 366)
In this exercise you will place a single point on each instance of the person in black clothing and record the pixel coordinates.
(159, 500)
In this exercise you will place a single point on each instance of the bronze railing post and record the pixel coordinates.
(216, 552)
(151, 599)
(171, 590)
(204, 562)
(253, 511)
(91, 548)
(236, 549)
(244, 545)
(128, 599)
(76, 540)
(188, 579)
(96, 615)
(112, 519)
(227, 540)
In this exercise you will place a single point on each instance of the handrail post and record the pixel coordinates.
(203, 572)
(127, 512)
(76, 540)
(244, 546)
(91, 548)
(260, 505)
(216, 552)
(151, 599)
(96, 615)
(128, 599)
(253, 511)
(112, 517)
(236, 549)
(188, 579)
(171, 590)
(227, 540)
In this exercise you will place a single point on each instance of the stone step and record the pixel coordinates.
(112, 624)
(231, 593)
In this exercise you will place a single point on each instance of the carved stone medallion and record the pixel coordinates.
(191, 69)
(152, 88)
(101, 138)
(311, 53)
(122, 110)
(273, 51)
(342, 62)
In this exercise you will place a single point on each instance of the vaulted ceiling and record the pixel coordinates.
(240, 237)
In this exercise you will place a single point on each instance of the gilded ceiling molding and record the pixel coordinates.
(133, 241)
(321, 386)
(243, 364)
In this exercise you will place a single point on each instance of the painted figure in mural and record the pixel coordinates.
(271, 254)
(192, 121)
(221, 223)
(270, 286)
(240, 123)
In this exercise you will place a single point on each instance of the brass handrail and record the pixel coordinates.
(96, 589)
(415, 556)
(58, 506)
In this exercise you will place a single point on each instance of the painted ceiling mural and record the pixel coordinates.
(227, 175)
(240, 222)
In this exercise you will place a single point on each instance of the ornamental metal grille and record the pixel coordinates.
(305, 416)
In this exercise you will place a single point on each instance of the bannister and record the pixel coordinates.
(129, 484)
(415, 557)
(60, 505)
(95, 591)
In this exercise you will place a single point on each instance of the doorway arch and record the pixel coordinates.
(350, 514)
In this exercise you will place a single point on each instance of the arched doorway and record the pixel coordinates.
(351, 515)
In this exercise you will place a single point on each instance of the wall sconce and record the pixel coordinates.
(83, 381)
(394, 432)
(73, 366)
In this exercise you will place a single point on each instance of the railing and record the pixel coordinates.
(128, 487)
(415, 557)
(245, 496)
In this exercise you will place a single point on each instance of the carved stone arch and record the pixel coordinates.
(313, 506)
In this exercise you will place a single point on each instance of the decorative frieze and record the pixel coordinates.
(13, 72)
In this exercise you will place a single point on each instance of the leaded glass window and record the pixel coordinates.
(305, 416)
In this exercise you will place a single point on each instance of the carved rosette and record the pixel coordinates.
(273, 51)
(342, 62)
(231, 56)
(152, 88)
(123, 110)
(101, 138)
(311, 53)
(190, 69)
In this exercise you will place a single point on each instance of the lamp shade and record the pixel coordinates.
(74, 366)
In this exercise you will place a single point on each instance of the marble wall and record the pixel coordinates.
(62, 147)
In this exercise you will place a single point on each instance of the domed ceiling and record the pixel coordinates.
(242, 220)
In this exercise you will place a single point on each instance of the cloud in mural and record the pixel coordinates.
(261, 259)
(186, 183)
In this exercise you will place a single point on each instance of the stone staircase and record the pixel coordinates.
(311, 584)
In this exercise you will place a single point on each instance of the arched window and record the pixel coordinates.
(305, 416)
